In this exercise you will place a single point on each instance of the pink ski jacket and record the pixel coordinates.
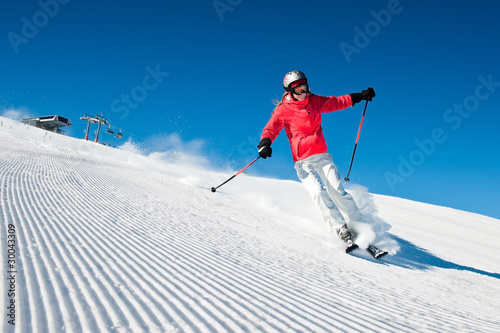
(302, 123)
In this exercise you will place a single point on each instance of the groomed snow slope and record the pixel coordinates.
(108, 240)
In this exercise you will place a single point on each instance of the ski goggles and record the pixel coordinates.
(300, 89)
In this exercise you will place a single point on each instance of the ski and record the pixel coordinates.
(372, 249)
(376, 252)
(350, 246)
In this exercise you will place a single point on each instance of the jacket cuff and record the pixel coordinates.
(356, 97)
(265, 142)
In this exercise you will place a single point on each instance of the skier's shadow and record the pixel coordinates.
(413, 257)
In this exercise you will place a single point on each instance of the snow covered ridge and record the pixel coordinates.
(107, 240)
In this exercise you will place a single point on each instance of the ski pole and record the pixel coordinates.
(356, 144)
(236, 174)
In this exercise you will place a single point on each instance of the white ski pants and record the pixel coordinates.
(321, 179)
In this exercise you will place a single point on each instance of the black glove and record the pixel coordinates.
(265, 149)
(366, 95)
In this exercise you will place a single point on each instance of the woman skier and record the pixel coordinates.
(299, 113)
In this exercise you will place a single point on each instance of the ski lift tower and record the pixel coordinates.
(100, 120)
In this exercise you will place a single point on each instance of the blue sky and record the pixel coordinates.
(206, 72)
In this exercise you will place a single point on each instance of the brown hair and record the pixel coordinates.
(278, 103)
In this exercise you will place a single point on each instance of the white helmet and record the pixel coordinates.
(291, 77)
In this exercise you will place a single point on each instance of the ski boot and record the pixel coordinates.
(345, 234)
